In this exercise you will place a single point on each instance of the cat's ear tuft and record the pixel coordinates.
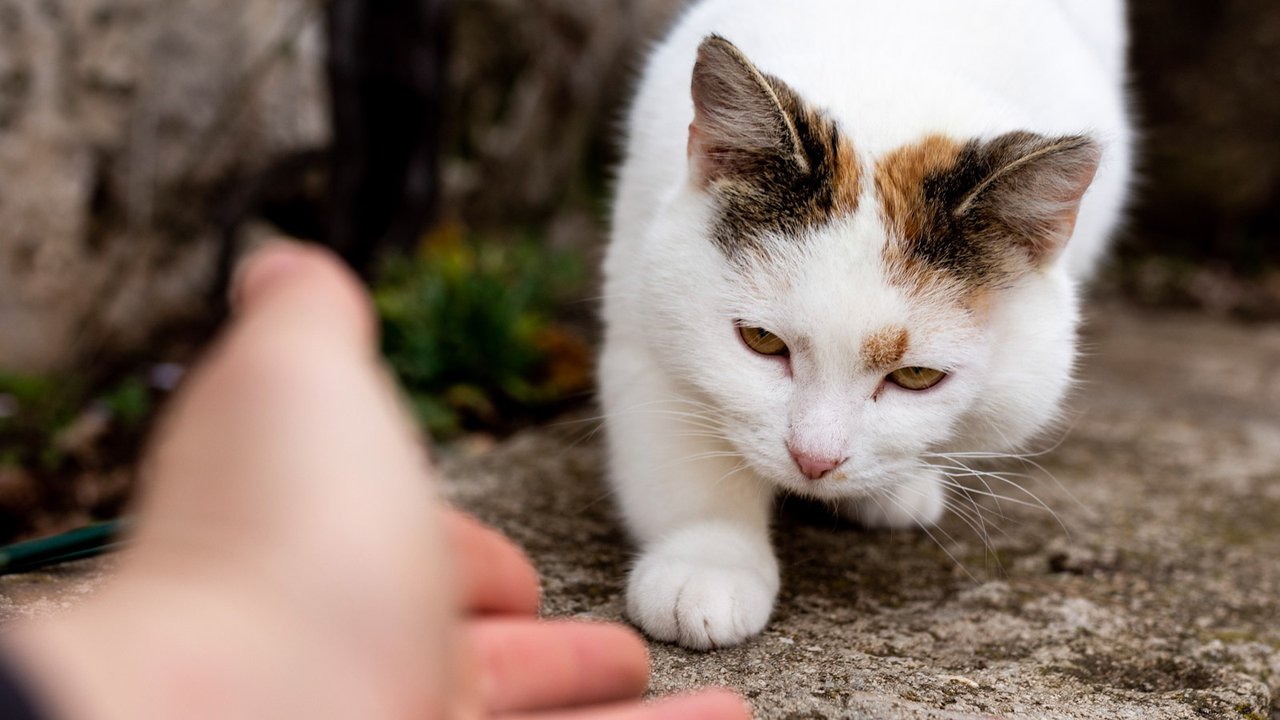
(1033, 191)
(742, 118)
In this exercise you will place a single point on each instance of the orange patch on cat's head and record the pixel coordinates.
(908, 211)
(885, 348)
(962, 218)
(900, 177)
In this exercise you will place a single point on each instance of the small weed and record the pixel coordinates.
(469, 328)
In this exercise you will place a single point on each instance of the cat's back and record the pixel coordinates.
(891, 71)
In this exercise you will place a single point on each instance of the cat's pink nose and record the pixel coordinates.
(815, 467)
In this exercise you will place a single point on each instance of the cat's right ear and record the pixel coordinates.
(742, 119)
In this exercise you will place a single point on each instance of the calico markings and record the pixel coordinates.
(962, 216)
(884, 349)
(775, 166)
(980, 213)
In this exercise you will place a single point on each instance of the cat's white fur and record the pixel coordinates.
(697, 424)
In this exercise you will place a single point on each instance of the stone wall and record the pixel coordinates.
(538, 89)
(119, 120)
(126, 124)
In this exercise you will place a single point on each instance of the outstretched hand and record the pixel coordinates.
(291, 559)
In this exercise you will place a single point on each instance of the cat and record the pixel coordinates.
(839, 244)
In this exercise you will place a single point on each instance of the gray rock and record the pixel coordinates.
(118, 121)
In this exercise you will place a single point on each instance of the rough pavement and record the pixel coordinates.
(1153, 593)
(1150, 589)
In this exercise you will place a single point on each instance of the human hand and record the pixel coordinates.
(528, 665)
(289, 562)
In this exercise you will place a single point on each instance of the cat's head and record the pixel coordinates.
(856, 313)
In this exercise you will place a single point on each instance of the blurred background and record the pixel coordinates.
(457, 154)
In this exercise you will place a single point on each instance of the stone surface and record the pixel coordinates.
(1150, 588)
(120, 120)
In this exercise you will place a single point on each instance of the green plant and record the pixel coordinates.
(469, 328)
(130, 401)
(39, 410)
(38, 407)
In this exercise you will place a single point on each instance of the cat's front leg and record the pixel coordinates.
(913, 501)
(706, 576)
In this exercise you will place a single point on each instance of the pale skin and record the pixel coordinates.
(291, 560)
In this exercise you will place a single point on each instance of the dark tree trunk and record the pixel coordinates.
(387, 78)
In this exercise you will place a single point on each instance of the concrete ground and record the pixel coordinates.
(1150, 588)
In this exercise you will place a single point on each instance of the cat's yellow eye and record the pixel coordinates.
(916, 378)
(763, 341)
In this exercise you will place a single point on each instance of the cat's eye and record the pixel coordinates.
(763, 341)
(916, 378)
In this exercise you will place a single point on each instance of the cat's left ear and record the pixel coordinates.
(744, 122)
(1031, 191)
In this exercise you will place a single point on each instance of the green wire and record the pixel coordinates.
(80, 543)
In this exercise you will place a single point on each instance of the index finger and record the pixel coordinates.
(289, 279)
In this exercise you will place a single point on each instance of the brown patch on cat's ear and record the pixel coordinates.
(884, 349)
(775, 165)
(978, 213)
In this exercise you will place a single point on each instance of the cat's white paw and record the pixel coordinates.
(704, 587)
(699, 604)
(914, 503)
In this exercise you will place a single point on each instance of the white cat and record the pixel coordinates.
(840, 244)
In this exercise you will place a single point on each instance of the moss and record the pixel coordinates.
(1164, 673)
(1003, 651)
(1234, 636)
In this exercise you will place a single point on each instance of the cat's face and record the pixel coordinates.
(854, 313)
(843, 379)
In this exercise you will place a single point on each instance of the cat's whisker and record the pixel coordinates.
(975, 511)
(976, 522)
(972, 512)
(997, 454)
(970, 471)
(685, 414)
(731, 472)
(698, 457)
(688, 420)
(1035, 502)
(963, 470)
(1061, 439)
(973, 494)
(905, 507)
(971, 518)
(588, 434)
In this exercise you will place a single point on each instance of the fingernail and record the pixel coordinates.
(261, 269)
